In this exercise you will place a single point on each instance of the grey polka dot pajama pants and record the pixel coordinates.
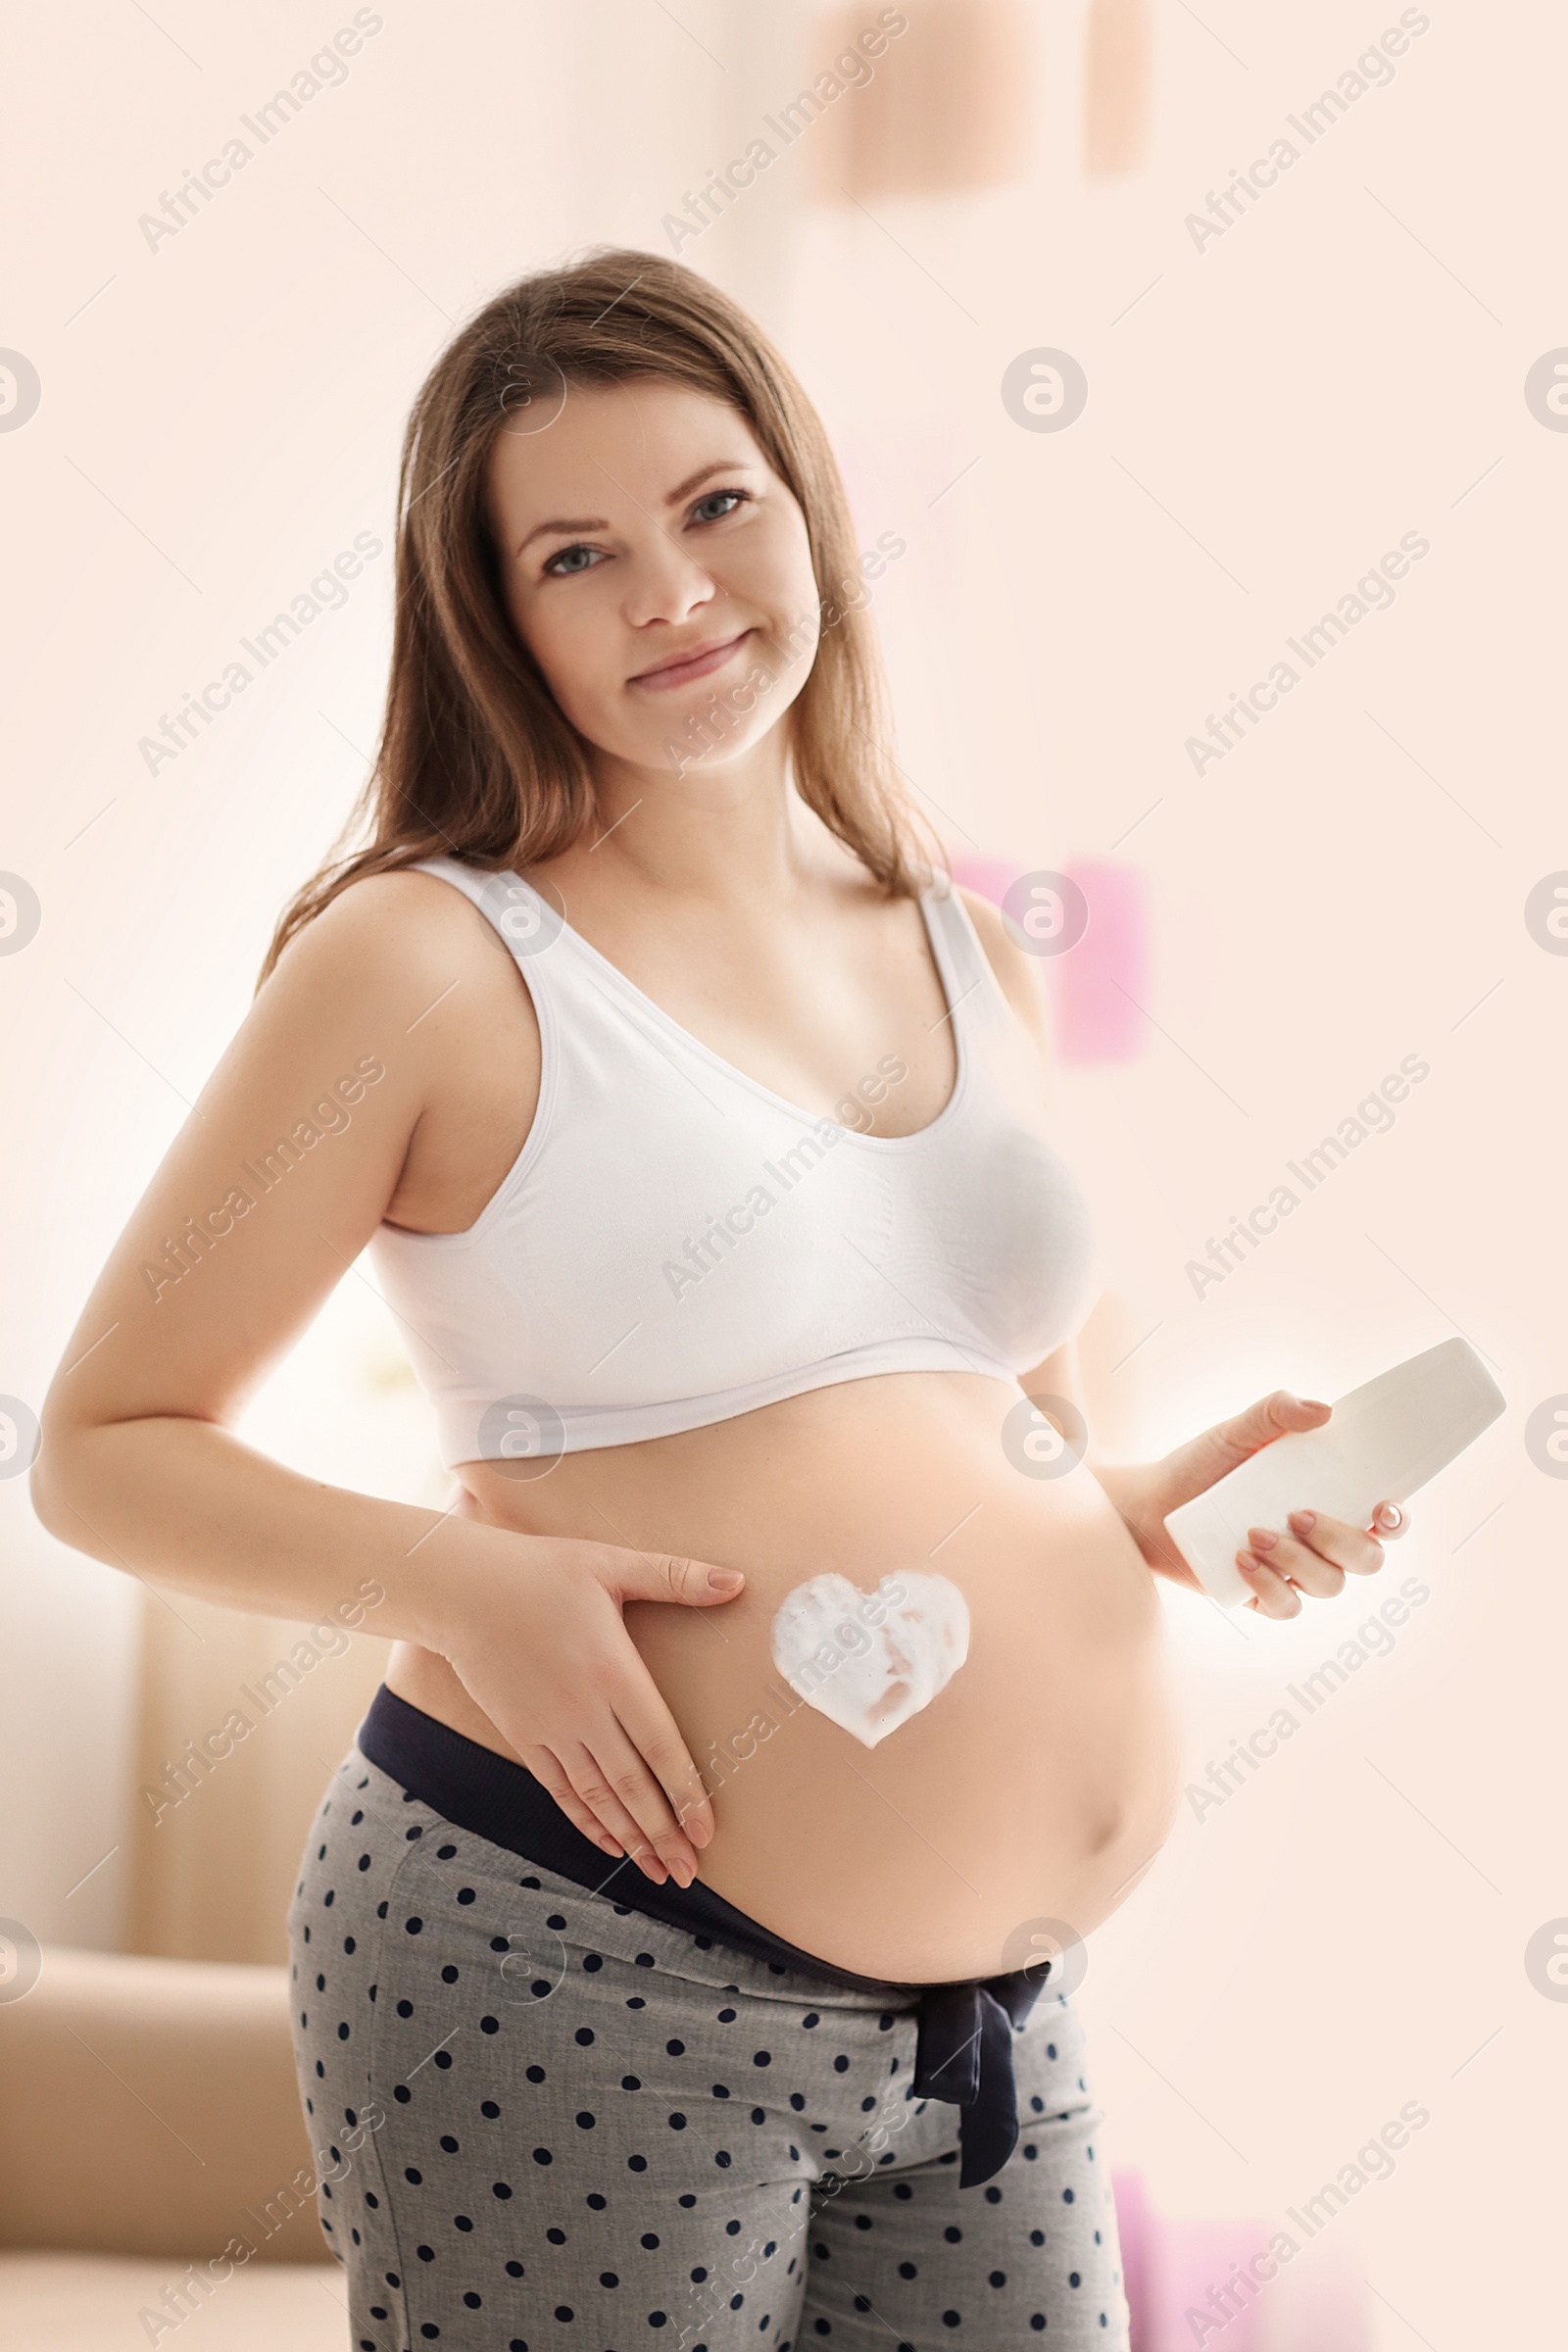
(543, 2119)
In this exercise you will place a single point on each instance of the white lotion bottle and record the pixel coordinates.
(1384, 1441)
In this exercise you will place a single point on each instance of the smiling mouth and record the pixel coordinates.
(690, 665)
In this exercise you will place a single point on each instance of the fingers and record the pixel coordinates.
(1272, 1597)
(548, 1771)
(1314, 1557)
(1207, 1458)
(615, 1779)
(1316, 1535)
(590, 1785)
(655, 1735)
(662, 1576)
(1312, 1571)
(598, 1782)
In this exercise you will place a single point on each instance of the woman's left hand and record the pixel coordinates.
(1311, 1555)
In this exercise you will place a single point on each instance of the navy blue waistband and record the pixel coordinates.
(964, 2049)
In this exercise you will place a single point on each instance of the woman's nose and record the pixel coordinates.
(664, 584)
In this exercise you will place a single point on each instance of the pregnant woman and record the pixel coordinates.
(685, 1942)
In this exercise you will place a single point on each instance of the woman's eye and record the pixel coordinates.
(562, 565)
(735, 498)
(713, 506)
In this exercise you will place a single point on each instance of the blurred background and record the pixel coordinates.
(1150, 332)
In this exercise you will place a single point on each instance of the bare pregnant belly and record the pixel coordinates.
(965, 1735)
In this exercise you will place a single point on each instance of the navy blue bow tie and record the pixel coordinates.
(965, 2054)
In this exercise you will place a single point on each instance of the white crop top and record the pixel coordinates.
(675, 1243)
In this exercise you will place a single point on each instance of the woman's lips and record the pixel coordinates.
(697, 665)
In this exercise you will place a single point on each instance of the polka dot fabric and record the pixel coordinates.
(572, 2126)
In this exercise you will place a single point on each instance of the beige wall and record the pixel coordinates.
(1267, 414)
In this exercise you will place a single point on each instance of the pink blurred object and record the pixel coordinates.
(1101, 983)
(1104, 980)
(1316, 2301)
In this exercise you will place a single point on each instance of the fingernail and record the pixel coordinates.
(682, 1872)
(1391, 1515)
(725, 1580)
(609, 1843)
(1261, 1538)
(698, 1831)
(1245, 1559)
(1303, 1522)
(1315, 1405)
(657, 1872)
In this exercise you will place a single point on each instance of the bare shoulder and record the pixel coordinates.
(1018, 973)
(379, 924)
(410, 948)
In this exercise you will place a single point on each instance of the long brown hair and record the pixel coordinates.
(475, 759)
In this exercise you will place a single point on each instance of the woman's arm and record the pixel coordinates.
(263, 1202)
(265, 1198)
(1315, 1553)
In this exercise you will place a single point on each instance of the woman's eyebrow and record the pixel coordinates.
(599, 523)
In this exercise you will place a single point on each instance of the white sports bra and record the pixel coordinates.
(675, 1243)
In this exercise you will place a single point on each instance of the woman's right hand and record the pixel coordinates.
(540, 1644)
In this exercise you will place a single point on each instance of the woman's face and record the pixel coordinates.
(657, 571)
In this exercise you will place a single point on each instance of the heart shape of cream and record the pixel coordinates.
(870, 1660)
